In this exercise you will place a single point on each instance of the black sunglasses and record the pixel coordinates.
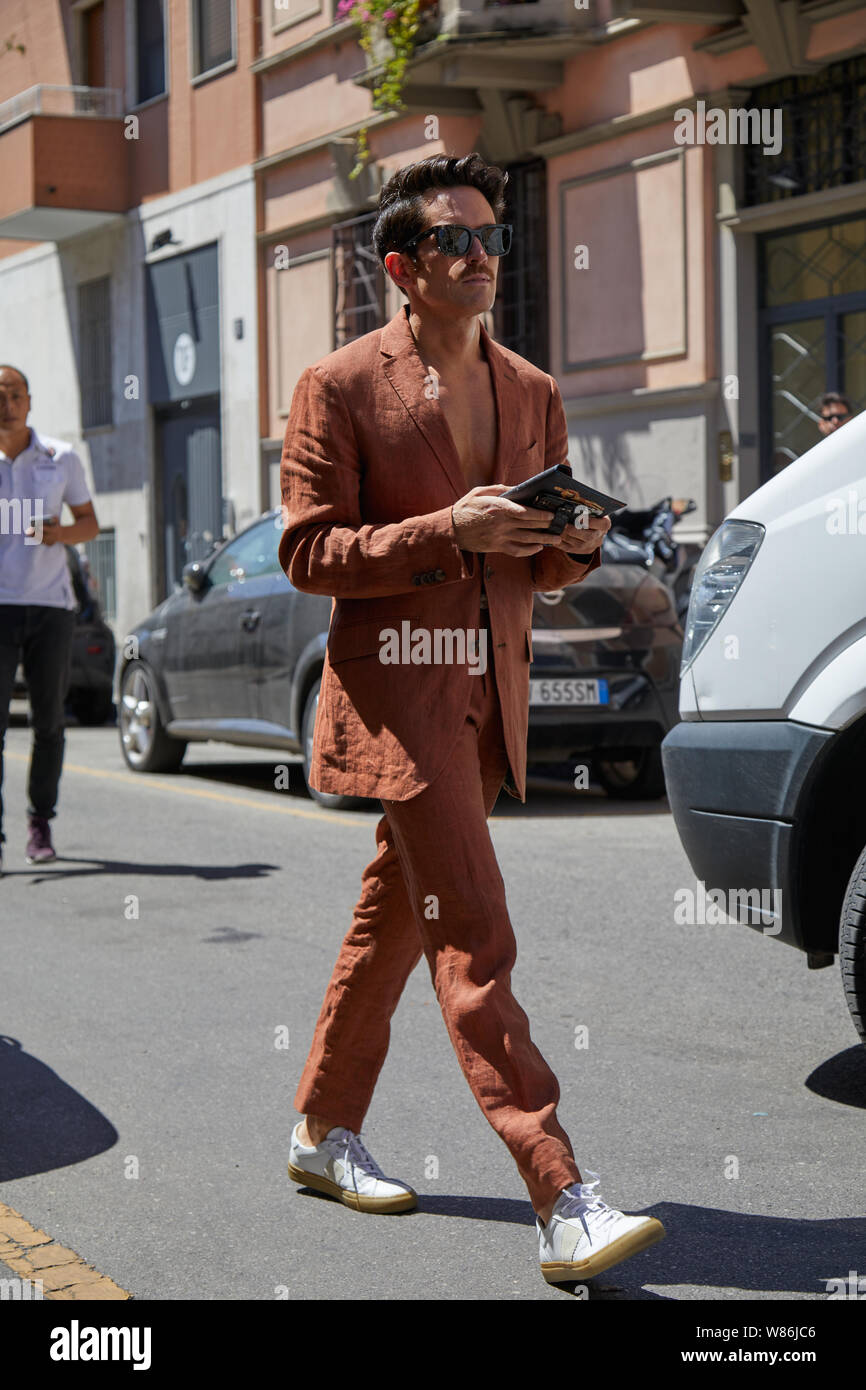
(456, 241)
(835, 417)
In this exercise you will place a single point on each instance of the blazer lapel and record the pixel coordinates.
(506, 388)
(408, 376)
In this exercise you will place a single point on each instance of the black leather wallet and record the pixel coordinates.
(557, 490)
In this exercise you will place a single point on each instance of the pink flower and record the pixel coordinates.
(345, 6)
(390, 14)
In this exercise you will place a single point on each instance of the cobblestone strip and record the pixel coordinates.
(33, 1255)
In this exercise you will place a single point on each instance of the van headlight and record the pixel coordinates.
(719, 574)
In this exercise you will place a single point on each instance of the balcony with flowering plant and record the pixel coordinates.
(436, 54)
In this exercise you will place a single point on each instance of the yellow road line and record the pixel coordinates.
(142, 781)
(55, 1271)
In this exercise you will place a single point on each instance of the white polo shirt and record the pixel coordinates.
(50, 472)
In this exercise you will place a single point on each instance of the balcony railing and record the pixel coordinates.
(64, 162)
(467, 16)
(48, 100)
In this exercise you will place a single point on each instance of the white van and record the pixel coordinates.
(766, 773)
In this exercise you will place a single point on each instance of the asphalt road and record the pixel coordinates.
(146, 976)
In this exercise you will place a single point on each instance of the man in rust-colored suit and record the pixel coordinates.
(397, 451)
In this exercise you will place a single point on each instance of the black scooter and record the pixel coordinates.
(645, 537)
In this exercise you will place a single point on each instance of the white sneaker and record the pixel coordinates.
(342, 1167)
(584, 1235)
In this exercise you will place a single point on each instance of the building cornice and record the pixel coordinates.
(808, 207)
(739, 35)
(321, 142)
(641, 398)
(168, 203)
(299, 229)
(622, 125)
(323, 38)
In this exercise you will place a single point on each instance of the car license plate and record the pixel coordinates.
(568, 692)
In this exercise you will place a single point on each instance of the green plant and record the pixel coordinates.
(397, 21)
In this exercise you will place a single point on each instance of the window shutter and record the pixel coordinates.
(94, 314)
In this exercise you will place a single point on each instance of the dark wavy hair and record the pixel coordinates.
(834, 398)
(402, 209)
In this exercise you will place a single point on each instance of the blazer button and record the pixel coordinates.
(439, 574)
(488, 572)
(416, 578)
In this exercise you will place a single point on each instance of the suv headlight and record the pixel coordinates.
(719, 574)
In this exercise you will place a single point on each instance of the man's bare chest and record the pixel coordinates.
(470, 410)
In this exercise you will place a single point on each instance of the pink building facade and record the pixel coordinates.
(689, 204)
(180, 234)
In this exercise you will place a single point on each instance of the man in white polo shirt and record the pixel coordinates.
(37, 604)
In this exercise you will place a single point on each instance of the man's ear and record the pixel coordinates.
(394, 261)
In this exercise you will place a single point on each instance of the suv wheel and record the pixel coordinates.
(852, 946)
(145, 745)
(308, 724)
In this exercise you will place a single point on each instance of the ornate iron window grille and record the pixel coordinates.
(823, 134)
(359, 285)
(520, 312)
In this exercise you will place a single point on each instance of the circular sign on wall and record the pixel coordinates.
(183, 359)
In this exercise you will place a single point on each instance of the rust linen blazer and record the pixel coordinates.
(369, 474)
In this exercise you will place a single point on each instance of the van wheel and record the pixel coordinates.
(333, 801)
(852, 946)
(632, 779)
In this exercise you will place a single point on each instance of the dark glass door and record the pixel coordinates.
(813, 332)
(192, 507)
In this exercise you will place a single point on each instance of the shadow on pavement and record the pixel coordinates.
(544, 796)
(123, 866)
(705, 1247)
(842, 1078)
(46, 1123)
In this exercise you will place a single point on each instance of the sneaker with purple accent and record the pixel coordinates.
(39, 846)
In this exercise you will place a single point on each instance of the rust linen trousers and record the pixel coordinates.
(437, 844)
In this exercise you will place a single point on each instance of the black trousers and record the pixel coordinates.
(41, 639)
